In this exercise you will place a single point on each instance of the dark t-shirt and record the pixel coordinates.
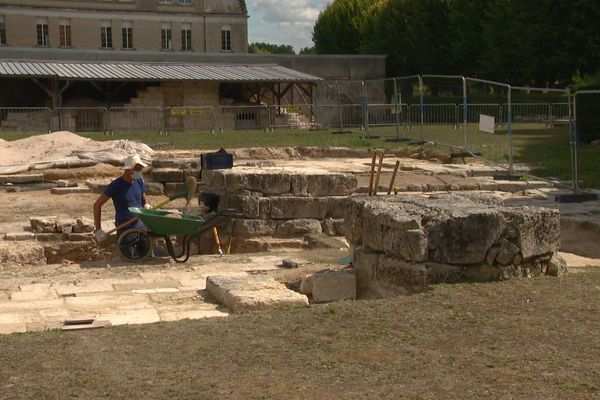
(125, 195)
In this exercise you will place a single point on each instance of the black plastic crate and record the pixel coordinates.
(217, 160)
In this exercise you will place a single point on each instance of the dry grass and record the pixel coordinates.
(529, 339)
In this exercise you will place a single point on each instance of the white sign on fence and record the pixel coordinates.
(487, 123)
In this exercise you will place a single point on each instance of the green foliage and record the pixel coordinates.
(268, 48)
(338, 28)
(308, 50)
(534, 42)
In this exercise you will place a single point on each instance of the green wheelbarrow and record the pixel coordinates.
(135, 244)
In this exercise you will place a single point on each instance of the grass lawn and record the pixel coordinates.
(520, 339)
(546, 150)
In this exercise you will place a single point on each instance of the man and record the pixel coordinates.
(126, 191)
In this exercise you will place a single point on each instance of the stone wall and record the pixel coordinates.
(281, 203)
(412, 240)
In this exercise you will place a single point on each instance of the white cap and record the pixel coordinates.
(132, 161)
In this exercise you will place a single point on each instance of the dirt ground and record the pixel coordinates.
(522, 339)
(532, 338)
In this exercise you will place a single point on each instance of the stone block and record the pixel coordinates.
(306, 285)
(299, 185)
(298, 207)
(244, 228)
(70, 190)
(296, 227)
(249, 206)
(336, 206)
(269, 183)
(320, 185)
(18, 236)
(167, 175)
(407, 245)
(464, 238)
(557, 266)
(333, 286)
(321, 241)
(214, 179)
(21, 178)
(65, 183)
(251, 292)
(538, 230)
(42, 224)
(80, 237)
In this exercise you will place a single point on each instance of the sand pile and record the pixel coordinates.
(53, 146)
(42, 151)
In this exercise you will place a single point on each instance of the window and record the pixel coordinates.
(185, 1)
(226, 38)
(106, 35)
(2, 31)
(186, 37)
(42, 32)
(165, 1)
(127, 31)
(64, 31)
(165, 35)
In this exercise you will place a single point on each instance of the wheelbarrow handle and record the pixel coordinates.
(123, 225)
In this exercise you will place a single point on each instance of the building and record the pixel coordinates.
(156, 64)
(127, 25)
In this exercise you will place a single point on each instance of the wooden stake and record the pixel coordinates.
(372, 173)
(393, 177)
(376, 185)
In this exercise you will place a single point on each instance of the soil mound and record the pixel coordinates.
(52, 146)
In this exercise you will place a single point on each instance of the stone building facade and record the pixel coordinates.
(190, 26)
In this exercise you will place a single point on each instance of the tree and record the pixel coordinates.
(338, 27)
(268, 48)
(308, 50)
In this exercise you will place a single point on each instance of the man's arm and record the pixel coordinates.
(144, 199)
(98, 210)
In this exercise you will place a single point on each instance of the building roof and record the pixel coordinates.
(144, 71)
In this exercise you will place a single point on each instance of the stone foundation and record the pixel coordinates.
(401, 241)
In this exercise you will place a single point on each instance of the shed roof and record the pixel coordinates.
(143, 71)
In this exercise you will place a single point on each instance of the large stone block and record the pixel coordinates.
(463, 238)
(336, 207)
(320, 185)
(298, 207)
(333, 286)
(407, 245)
(538, 230)
(269, 183)
(252, 292)
(253, 227)
(249, 206)
(365, 265)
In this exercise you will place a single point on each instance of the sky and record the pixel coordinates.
(283, 21)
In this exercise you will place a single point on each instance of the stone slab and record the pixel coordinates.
(70, 190)
(251, 292)
(167, 175)
(24, 178)
(18, 236)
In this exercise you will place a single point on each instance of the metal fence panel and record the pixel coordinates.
(292, 116)
(25, 119)
(136, 119)
(242, 117)
(80, 119)
(190, 119)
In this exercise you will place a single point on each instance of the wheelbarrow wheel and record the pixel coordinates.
(134, 244)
